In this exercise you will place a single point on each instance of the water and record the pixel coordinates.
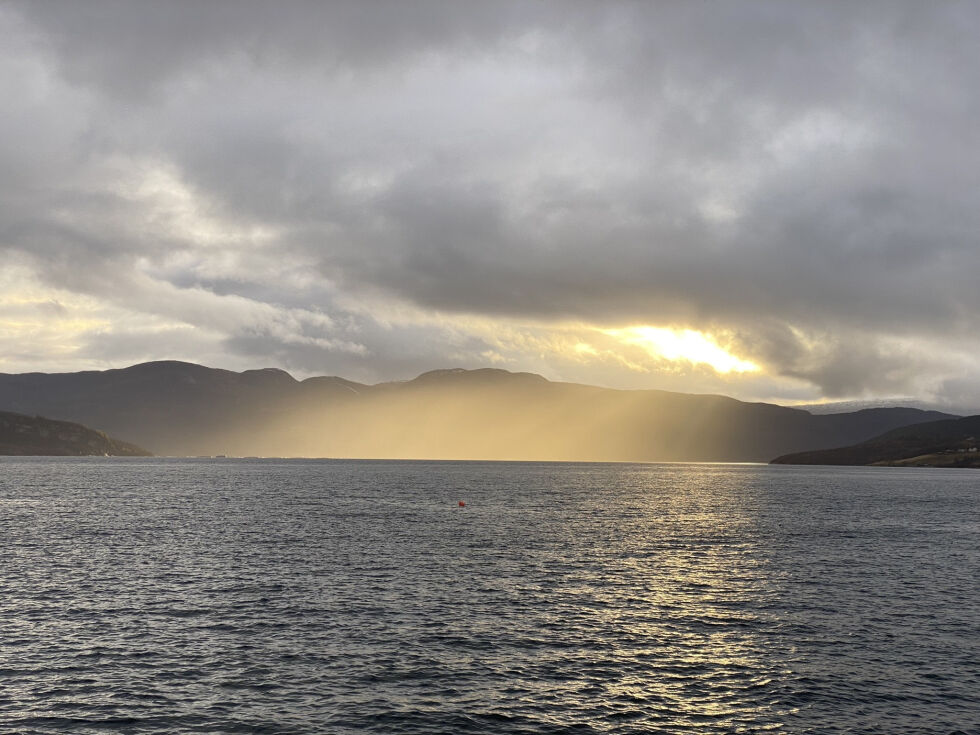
(226, 596)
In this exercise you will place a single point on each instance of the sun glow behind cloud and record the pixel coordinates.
(682, 345)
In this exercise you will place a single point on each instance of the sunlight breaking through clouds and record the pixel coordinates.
(624, 194)
(683, 345)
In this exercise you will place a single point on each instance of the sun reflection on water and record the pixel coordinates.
(684, 594)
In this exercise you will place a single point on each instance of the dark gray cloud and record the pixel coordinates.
(370, 187)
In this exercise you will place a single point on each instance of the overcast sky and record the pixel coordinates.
(376, 189)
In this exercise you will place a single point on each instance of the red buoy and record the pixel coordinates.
(462, 504)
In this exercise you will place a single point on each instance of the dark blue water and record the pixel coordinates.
(225, 596)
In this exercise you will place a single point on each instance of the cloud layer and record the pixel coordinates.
(375, 189)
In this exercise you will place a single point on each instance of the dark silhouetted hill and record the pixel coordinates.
(946, 443)
(181, 408)
(33, 435)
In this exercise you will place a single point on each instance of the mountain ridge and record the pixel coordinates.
(181, 408)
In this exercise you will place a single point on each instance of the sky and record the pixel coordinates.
(774, 200)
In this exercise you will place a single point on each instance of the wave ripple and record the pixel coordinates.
(259, 596)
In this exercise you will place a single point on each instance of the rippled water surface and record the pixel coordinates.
(341, 597)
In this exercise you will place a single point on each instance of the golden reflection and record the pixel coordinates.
(687, 598)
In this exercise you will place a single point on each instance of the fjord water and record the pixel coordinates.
(152, 596)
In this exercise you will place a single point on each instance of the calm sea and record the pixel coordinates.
(270, 596)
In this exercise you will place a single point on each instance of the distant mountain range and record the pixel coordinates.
(33, 435)
(857, 405)
(948, 443)
(178, 408)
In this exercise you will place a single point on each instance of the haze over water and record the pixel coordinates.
(151, 596)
